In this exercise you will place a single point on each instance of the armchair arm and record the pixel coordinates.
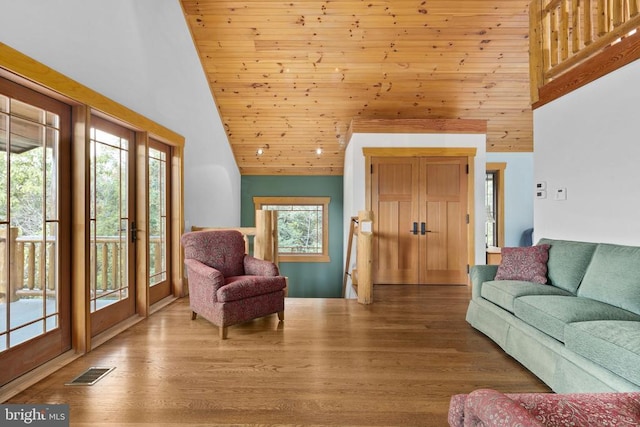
(204, 281)
(480, 274)
(259, 267)
(491, 408)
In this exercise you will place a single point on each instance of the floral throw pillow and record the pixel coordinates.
(528, 264)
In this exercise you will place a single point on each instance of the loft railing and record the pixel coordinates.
(565, 33)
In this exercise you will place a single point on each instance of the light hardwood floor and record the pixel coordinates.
(332, 363)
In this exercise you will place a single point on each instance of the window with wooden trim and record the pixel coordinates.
(303, 227)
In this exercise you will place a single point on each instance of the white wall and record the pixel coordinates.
(589, 143)
(518, 194)
(354, 174)
(140, 54)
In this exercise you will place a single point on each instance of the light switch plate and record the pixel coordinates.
(541, 194)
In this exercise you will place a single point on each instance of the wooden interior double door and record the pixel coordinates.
(420, 220)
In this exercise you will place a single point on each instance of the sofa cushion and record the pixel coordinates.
(613, 276)
(551, 313)
(568, 261)
(599, 340)
(504, 292)
(528, 263)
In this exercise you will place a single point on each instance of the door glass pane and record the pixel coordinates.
(109, 218)
(157, 216)
(29, 141)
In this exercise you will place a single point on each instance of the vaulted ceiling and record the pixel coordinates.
(288, 77)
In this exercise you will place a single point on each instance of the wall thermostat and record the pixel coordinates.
(561, 194)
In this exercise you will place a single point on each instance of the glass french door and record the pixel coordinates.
(158, 209)
(112, 224)
(35, 316)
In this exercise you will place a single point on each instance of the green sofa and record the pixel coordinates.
(580, 332)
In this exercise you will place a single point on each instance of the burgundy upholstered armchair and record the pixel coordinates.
(486, 407)
(226, 286)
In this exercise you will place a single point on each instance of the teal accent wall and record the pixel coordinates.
(306, 279)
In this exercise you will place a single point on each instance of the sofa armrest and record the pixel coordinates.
(259, 267)
(486, 407)
(480, 274)
(204, 281)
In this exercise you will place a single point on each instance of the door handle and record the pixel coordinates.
(423, 228)
(415, 228)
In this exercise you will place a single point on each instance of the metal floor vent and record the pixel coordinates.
(90, 376)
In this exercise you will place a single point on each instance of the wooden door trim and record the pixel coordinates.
(419, 151)
(469, 152)
(141, 263)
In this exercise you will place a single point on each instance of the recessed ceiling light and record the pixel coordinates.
(260, 152)
(318, 151)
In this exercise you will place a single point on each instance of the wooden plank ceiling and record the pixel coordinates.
(289, 76)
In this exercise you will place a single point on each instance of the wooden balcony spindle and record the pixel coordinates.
(104, 265)
(565, 30)
(602, 18)
(576, 29)
(31, 265)
(587, 13)
(617, 13)
(545, 42)
(115, 284)
(8, 264)
(554, 40)
(42, 265)
(19, 279)
(51, 266)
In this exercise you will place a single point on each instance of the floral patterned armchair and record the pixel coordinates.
(226, 286)
(485, 407)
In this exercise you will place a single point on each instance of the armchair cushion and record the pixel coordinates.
(243, 287)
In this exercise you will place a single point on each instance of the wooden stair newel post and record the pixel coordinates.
(266, 242)
(364, 257)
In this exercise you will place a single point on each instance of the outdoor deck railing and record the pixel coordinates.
(31, 273)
